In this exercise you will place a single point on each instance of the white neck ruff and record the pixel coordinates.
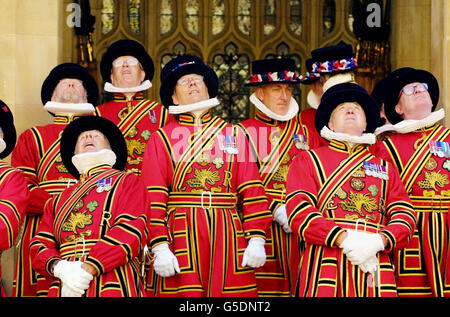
(69, 108)
(313, 100)
(198, 106)
(2, 145)
(365, 138)
(292, 111)
(407, 126)
(144, 86)
(339, 79)
(85, 161)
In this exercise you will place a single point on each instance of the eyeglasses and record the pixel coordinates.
(130, 62)
(185, 81)
(412, 89)
(76, 84)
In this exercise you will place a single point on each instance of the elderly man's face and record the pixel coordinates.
(91, 141)
(415, 106)
(69, 90)
(127, 72)
(276, 97)
(190, 89)
(349, 118)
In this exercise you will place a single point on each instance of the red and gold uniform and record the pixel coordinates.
(37, 156)
(137, 118)
(106, 228)
(329, 192)
(306, 118)
(275, 144)
(421, 265)
(206, 202)
(14, 195)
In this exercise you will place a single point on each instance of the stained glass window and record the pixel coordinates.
(233, 69)
(192, 16)
(244, 18)
(166, 17)
(270, 17)
(218, 16)
(107, 16)
(329, 16)
(134, 15)
(295, 24)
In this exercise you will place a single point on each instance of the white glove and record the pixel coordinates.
(370, 266)
(166, 263)
(75, 280)
(280, 216)
(360, 246)
(255, 254)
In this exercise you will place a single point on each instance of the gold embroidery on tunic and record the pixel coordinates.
(357, 201)
(203, 177)
(135, 147)
(433, 179)
(77, 220)
(431, 164)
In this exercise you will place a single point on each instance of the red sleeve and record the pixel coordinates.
(255, 209)
(400, 212)
(14, 195)
(25, 157)
(155, 175)
(43, 247)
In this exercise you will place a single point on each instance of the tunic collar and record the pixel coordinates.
(119, 97)
(342, 146)
(191, 119)
(65, 118)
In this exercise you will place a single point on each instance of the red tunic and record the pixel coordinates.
(37, 156)
(138, 119)
(422, 265)
(107, 229)
(14, 195)
(206, 203)
(306, 118)
(275, 146)
(328, 192)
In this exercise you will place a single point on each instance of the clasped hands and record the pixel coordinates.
(361, 249)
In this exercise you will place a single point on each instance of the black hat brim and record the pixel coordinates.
(342, 93)
(126, 48)
(167, 88)
(109, 129)
(69, 71)
(393, 95)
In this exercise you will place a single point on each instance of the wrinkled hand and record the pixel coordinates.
(359, 247)
(166, 263)
(255, 254)
(75, 280)
(280, 216)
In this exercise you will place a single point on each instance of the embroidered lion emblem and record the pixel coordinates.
(77, 221)
(357, 201)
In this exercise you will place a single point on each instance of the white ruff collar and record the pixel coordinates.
(292, 112)
(339, 79)
(201, 105)
(407, 126)
(144, 86)
(314, 100)
(69, 108)
(365, 138)
(2, 145)
(85, 161)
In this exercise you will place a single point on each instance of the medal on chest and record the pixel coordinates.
(440, 149)
(152, 115)
(301, 142)
(227, 143)
(375, 170)
(104, 185)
